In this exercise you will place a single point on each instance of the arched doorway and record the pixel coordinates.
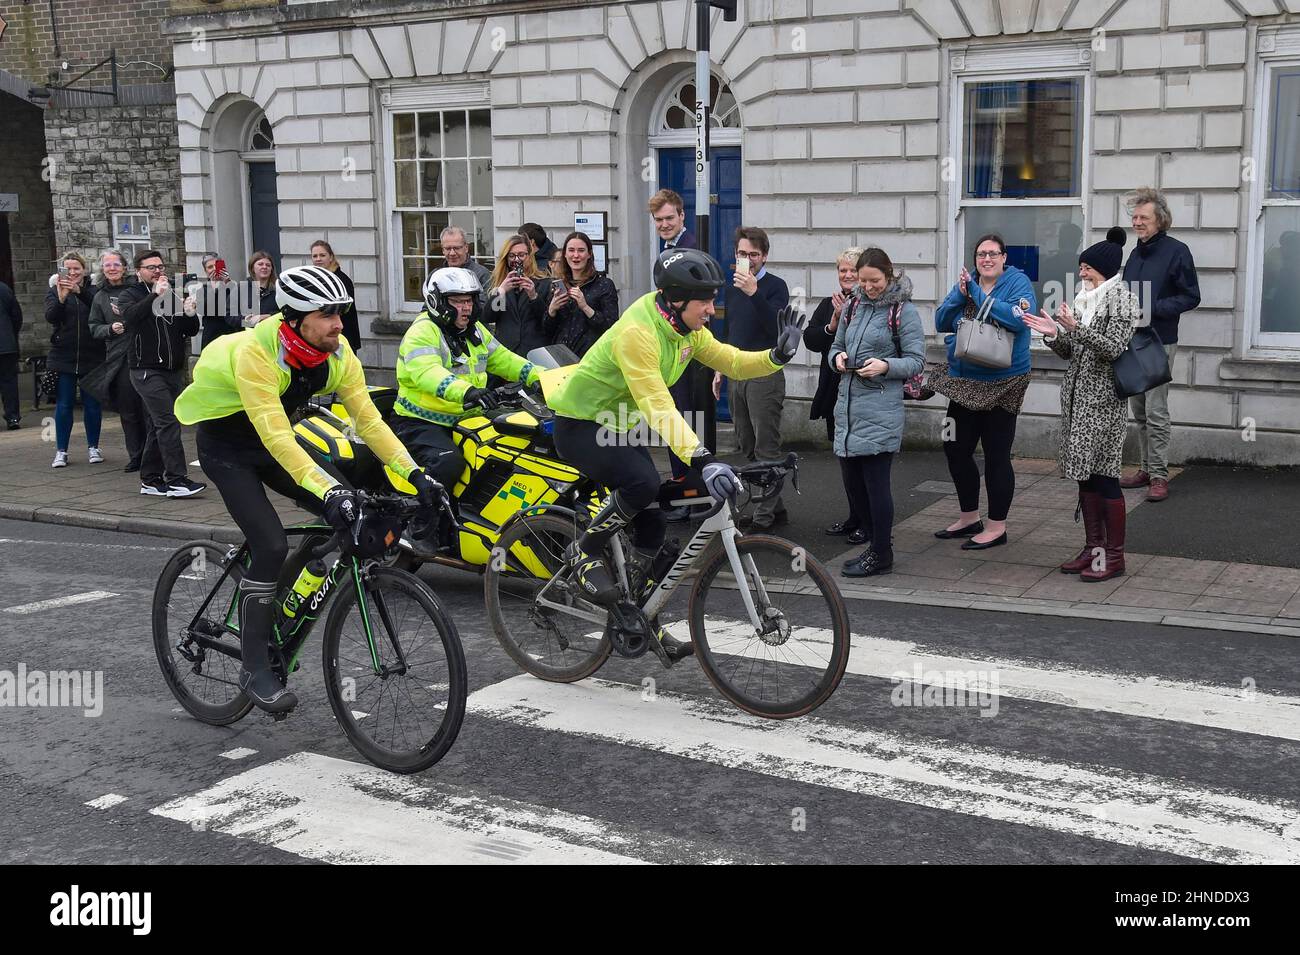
(672, 140)
(245, 212)
(263, 203)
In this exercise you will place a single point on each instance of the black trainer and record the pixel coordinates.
(154, 488)
(184, 487)
(12, 424)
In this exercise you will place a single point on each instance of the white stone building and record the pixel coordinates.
(909, 124)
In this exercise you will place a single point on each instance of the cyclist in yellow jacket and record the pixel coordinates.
(443, 365)
(625, 376)
(245, 387)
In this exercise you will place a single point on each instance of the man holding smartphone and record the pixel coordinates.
(753, 300)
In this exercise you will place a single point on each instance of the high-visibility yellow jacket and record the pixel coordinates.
(431, 381)
(247, 372)
(626, 375)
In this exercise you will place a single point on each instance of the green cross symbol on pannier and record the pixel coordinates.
(513, 490)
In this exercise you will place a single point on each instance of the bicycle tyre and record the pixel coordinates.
(437, 745)
(514, 639)
(237, 704)
(838, 617)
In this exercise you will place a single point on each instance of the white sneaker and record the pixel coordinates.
(60, 459)
(96, 456)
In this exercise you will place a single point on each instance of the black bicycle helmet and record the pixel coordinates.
(685, 275)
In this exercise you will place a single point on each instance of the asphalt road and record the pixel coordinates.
(1108, 743)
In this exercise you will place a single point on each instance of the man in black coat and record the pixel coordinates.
(160, 330)
(1161, 271)
(11, 322)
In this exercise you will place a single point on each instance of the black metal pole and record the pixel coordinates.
(702, 390)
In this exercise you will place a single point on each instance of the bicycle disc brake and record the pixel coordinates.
(629, 631)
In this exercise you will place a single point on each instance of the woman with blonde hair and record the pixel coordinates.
(518, 297)
(73, 353)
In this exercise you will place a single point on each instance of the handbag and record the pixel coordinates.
(1143, 365)
(48, 384)
(982, 341)
(914, 389)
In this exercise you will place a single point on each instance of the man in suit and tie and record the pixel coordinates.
(667, 210)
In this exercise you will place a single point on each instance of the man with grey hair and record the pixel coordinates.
(455, 248)
(1161, 271)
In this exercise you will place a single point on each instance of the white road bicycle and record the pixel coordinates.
(769, 624)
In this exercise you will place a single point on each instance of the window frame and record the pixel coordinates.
(987, 64)
(406, 98)
(117, 243)
(1276, 50)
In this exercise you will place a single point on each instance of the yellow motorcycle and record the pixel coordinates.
(510, 466)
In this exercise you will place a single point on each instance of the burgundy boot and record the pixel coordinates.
(1094, 532)
(1113, 565)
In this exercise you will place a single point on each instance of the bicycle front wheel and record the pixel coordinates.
(204, 677)
(563, 640)
(394, 670)
(792, 662)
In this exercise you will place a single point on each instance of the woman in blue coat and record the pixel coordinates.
(879, 345)
(984, 403)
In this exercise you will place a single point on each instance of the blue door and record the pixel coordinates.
(677, 172)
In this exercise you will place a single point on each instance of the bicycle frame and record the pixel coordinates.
(291, 634)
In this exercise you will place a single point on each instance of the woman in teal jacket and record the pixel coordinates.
(875, 359)
(983, 403)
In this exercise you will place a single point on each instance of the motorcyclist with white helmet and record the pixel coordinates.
(443, 365)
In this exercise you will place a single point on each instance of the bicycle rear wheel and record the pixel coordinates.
(792, 663)
(204, 679)
(547, 642)
(401, 711)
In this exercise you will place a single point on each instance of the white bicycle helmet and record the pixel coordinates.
(310, 288)
(445, 282)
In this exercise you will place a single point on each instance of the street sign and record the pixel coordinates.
(8, 202)
(701, 162)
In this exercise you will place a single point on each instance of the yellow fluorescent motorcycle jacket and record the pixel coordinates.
(247, 372)
(431, 381)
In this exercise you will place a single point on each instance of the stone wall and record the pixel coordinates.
(31, 227)
(123, 157)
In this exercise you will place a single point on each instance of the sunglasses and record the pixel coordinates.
(332, 309)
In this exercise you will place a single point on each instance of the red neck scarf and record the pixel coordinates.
(297, 352)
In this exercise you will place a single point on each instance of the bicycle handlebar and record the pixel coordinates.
(403, 506)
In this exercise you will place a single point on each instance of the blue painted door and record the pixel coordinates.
(677, 172)
(265, 209)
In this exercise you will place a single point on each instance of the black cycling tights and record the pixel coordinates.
(603, 455)
(242, 476)
(1107, 487)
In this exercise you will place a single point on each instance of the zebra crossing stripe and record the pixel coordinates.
(338, 811)
(1114, 805)
(1221, 707)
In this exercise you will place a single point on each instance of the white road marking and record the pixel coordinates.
(240, 752)
(107, 801)
(68, 601)
(1200, 704)
(1115, 805)
(337, 811)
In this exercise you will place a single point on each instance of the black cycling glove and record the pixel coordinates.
(340, 509)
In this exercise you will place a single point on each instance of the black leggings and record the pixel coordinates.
(1107, 487)
(995, 429)
(604, 456)
(871, 501)
(242, 475)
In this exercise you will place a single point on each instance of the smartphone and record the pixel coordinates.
(742, 265)
(63, 271)
(519, 271)
(219, 269)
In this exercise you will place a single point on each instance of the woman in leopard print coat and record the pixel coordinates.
(1093, 418)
